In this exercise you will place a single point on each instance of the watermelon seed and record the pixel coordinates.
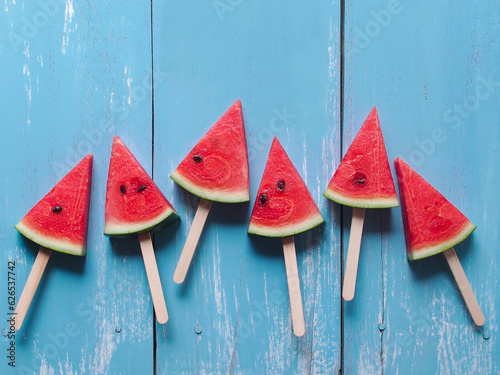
(360, 178)
(197, 159)
(122, 189)
(57, 209)
(141, 188)
(263, 198)
(281, 185)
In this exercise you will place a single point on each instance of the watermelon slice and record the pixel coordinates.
(59, 221)
(363, 178)
(432, 224)
(134, 203)
(284, 206)
(217, 167)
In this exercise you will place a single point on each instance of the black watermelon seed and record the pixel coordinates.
(281, 185)
(122, 189)
(360, 178)
(197, 159)
(141, 188)
(57, 209)
(263, 198)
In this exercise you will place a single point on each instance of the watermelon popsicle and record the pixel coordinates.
(216, 169)
(57, 222)
(135, 206)
(362, 180)
(284, 207)
(432, 226)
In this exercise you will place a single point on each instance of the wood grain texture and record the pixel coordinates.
(282, 60)
(425, 66)
(81, 77)
(77, 73)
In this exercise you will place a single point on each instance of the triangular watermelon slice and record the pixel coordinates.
(59, 221)
(217, 167)
(134, 203)
(284, 206)
(363, 178)
(432, 224)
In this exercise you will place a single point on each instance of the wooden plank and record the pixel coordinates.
(80, 74)
(76, 74)
(282, 60)
(432, 70)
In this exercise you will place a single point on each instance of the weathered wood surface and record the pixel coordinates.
(432, 69)
(159, 74)
(81, 75)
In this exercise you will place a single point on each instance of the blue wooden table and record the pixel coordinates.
(159, 74)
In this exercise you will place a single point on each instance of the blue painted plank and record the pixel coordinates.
(282, 60)
(83, 72)
(79, 74)
(432, 69)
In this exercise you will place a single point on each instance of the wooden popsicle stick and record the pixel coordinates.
(464, 286)
(31, 285)
(192, 240)
(292, 276)
(351, 266)
(153, 275)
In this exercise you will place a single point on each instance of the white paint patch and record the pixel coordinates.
(46, 369)
(105, 347)
(126, 72)
(225, 324)
(265, 296)
(280, 336)
(66, 368)
(332, 53)
(217, 281)
(9, 3)
(27, 81)
(20, 257)
(68, 18)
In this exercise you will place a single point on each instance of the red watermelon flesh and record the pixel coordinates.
(217, 167)
(432, 224)
(284, 206)
(363, 178)
(59, 221)
(134, 203)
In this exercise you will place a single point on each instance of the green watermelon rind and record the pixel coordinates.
(159, 222)
(208, 193)
(285, 231)
(50, 242)
(376, 202)
(424, 252)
